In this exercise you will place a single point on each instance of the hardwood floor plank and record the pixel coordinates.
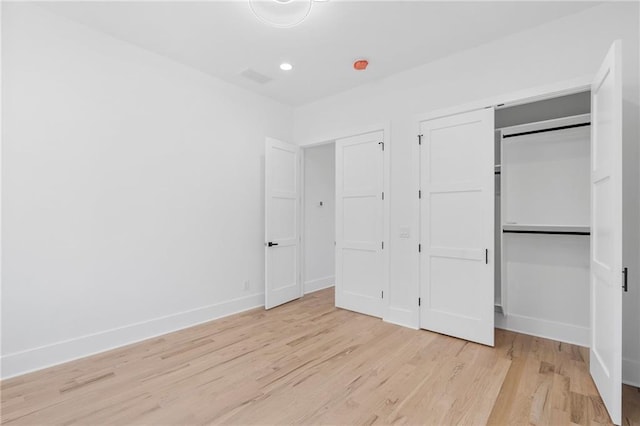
(307, 362)
(630, 406)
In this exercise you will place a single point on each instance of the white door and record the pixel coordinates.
(457, 225)
(282, 223)
(360, 267)
(606, 232)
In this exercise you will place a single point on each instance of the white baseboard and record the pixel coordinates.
(23, 362)
(567, 333)
(403, 317)
(631, 372)
(318, 284)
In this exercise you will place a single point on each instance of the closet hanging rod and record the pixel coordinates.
(550, 129)
(546, 232)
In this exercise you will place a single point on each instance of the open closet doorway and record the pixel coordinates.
(559, 225)
(318, 209)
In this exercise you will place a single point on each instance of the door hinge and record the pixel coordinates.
(486, 256)
(382, 245)
(625, 283)
(419, 248)
(382, 144)
(383, 195)
(419, 301)
(382, 294)
(419, 139)
(419, 193)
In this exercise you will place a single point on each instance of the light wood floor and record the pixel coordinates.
(308, 362)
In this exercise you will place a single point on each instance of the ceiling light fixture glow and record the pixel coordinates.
(285, 66)
(281, 13)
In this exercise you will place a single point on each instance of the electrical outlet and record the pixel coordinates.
(246, 285)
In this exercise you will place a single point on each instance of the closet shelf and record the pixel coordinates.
(546, 229)
(546, 126)
(550, 129)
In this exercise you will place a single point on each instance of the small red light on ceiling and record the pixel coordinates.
(360, 65)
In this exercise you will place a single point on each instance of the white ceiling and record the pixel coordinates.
(225, 38)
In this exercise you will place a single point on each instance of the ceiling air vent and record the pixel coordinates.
(255, 76)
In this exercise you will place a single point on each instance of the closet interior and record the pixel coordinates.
(542, 218)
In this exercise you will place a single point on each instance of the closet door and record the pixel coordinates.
(606, 232)
(457, 226)
(360, 266)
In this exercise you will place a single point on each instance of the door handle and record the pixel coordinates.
(272, 244)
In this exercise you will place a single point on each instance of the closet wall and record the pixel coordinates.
(548, 109)
(545, 213)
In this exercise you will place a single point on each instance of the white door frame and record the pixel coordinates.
(386, 129)
(565, 87)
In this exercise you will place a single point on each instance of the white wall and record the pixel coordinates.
(132, 192)
(564, 49)
(168, 171)
(319, 221)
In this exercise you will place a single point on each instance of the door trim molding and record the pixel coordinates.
(55, 353)
(570, 333)
(509, 99)
(631, 372)
(311, 286)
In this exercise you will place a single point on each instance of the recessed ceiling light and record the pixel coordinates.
(285, 66)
